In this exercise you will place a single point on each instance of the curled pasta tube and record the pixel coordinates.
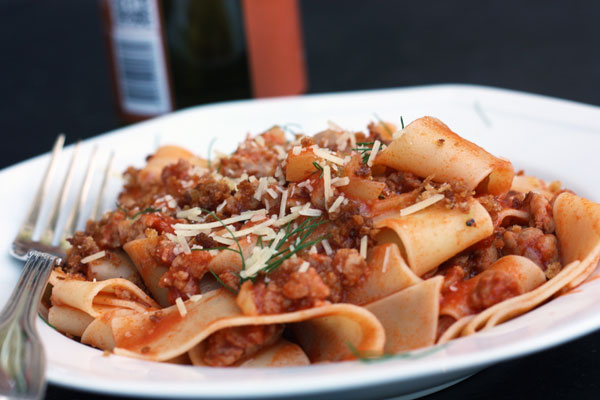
(431, 236)
(428, 147)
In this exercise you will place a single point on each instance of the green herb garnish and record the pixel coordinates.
(302, 232)
(239, 250)
(364, 150)
(387, 128)
(145, 211)
(402, 121)
(226, 286)
(120, 207)
(137, 214)
(318, 167)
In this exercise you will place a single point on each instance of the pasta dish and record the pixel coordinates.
(310, 249)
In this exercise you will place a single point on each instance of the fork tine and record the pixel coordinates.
(74, 216)
(107, 171)
(27, 229)
(48, 236)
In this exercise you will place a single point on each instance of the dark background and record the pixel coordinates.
(54, 78)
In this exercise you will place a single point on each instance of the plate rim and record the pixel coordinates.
(479, 360)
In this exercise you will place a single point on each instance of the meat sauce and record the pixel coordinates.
(253, 178)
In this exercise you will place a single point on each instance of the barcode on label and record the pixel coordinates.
(139, 57)
(142, 82)
(133, 13)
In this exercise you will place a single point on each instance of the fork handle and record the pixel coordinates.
(22, 358)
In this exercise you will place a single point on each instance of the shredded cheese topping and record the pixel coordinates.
(373, 154)
(327, 247)
(93, 257)
(421, 205)
(194, 229)
(338, 202)
(327, 183)
(192, 214)
(304, 267)
(326, 155)
(181, 307)
(385, 259)
(340, 181)
(363, 247)
(196, 298)
(284, 198)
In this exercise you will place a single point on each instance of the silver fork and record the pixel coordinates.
(22, 359)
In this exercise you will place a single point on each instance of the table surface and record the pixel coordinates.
(55, 79)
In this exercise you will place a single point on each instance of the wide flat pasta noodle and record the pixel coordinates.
(427, 147)
(69, 320)
(164, 156)
(281, 354)
(525, 184)
(99, 333)
(455, 329)
(431, 236)
(410, 317)
(141, 252)
(388, 273)
(95, 298)
(103, 269)
(164, 334)
(526, 272)
(578, 231)
(518, 305)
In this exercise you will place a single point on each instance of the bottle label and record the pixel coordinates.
(139, 57)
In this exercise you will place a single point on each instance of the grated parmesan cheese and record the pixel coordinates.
(288, 218)
(192, 214)
(262, 185)
(421, 205)
(304, 267)
(184, 247)
(296, 150)
(284, 198)
(337, 181)
(259, 217)
(194, 229)
(259, 258)
(271, 193)
(373, 154)
(281, 154)
(326, 155)
(181, 307)
(363, 247)
(327, 247)
(260, 140)
(385, 259)
(327, 183)
(222, 240)
(221, 206)
(336, 203)
(196, 298)
(93, 257)
(252, 229)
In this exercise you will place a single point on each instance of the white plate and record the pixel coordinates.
(554, 139)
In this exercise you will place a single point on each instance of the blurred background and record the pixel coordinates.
(56, 70)
(55, 76)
